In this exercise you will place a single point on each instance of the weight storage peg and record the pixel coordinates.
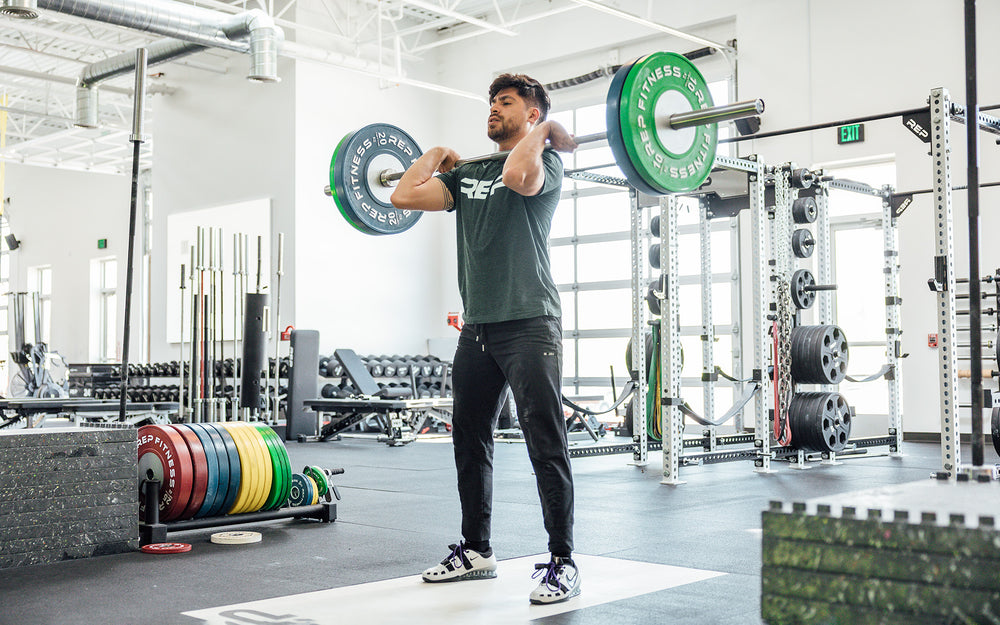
(662, 130)
(803, 288)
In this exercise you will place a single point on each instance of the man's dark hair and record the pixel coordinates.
(527, 87)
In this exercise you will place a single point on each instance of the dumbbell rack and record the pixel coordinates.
(102, 381)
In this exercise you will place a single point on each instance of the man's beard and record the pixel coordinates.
(499, 133)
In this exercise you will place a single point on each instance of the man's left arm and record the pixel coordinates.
(523, 171)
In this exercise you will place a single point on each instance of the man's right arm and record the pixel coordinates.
(419, 189)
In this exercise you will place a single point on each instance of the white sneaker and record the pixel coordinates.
(463, 564)
(560, 581)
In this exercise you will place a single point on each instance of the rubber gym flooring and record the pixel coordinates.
(399, 513)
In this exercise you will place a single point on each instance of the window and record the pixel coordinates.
(858, 258)
(107, 310)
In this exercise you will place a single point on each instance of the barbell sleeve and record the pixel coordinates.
(677, 121)
(716, 114)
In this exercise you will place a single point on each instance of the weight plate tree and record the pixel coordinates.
(655, 158)
(355, 168)
(819, 421)
(819, 354)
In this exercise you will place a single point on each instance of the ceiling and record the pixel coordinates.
(41, 59)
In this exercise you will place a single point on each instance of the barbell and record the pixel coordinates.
(661, 127)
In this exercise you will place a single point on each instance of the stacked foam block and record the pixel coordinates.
(66, 493)
(920, 553)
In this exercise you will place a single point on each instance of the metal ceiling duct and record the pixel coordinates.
(190, 30)
(185, 22)
(124, 63)
(23, 9)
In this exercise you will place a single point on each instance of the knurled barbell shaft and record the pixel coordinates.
(677, 121)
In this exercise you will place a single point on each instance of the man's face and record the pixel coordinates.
(510, 115)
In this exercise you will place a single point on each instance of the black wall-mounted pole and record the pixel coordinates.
(972, 150)
(136, 139)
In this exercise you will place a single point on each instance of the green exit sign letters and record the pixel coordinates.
(102, 244)
(851, 133)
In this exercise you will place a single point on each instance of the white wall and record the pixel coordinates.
(220, 140)
(58, 215)
(373, 294)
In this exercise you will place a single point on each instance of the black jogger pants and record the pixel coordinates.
(527, 355)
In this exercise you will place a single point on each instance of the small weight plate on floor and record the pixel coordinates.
(319, 477)
(355, 168)
(199, 464)
(229, 468)
(165, 548)
(211, 464)
(667, 160)
(300, 494)
(163, 455)
(235, 538)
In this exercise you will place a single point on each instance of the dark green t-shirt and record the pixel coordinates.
(503, 252)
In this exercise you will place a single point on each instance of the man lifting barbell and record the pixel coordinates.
(513, 330)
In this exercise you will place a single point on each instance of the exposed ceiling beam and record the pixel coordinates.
(475, 21)
(515, 22)
(654, 25)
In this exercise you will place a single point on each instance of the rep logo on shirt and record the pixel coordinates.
(480, 189)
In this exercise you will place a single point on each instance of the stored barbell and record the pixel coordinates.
(662, 130)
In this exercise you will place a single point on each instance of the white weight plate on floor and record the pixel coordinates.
(236, 538)
(500, 600)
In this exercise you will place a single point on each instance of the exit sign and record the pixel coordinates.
(852, 133)
(102, 244)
